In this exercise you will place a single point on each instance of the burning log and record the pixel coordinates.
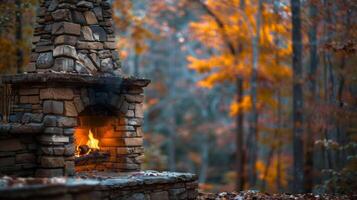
(92, 158)
(83, 150)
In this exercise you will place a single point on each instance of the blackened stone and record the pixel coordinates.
(16, 117)
(69, 169)
(68, 131)
(78, 17)
(7, 161)
(52, 162)
(53, 5)
(107, 13)
(98, 12)
(105, 5)
(26, 118)
(49, 172)
(85, 4)
(11, 145)
(44, 60)
(64, 64)
(69, 150)
(99, 33)
(66, 39)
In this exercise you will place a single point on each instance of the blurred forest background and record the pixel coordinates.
(247, 94)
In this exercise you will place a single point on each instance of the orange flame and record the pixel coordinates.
(92, 142)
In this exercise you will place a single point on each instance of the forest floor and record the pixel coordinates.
(251, 195)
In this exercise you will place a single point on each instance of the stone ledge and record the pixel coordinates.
(72, 78)
(147, 184)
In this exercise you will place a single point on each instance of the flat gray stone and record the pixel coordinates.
(44, 60)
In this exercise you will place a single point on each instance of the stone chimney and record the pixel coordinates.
(74, 36)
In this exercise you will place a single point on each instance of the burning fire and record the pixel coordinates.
(86, 148)
(92, 142)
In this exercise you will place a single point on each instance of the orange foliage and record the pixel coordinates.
(239, 29)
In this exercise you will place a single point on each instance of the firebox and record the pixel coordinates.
(73, 109)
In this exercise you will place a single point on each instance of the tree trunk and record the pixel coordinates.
(19, 51)
(204, 162)
(309, 154)
(297, 99)
(253, 128)
(239, 143)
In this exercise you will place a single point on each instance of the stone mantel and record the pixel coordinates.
(72, 78)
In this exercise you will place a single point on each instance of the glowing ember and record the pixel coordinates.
(92, 142)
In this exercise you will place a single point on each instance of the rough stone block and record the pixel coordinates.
(87, 62)
(163, 195)
(53, 107)
(53, 130)
(86, 34)
(78, 17)
(25, 158)
(50, 120)
(90, 17)
(49, 172)
(54, 139)
(69, 168)
(89, 45)
(139, 111)
(98, 13)
(66, 28)
(130, 113)
(7, 161)
(85, 4)
(29, 91)
(63, 64)
(70, 109)
(57, 93)
(109, 45)
(61, 15)
(11, 145)
(66, 40)
(52, 162)
(67, 122)
(69, 150)
(30, 99)
(65, 50)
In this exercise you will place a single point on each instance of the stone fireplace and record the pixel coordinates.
(73, 109)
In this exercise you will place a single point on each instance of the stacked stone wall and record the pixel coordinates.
(74, 36)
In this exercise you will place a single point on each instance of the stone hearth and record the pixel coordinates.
(147, 185)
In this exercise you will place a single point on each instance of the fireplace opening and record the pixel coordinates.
(95, 124)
